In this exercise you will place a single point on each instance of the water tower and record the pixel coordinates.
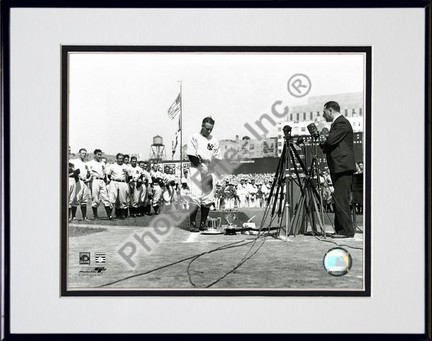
(157, 152)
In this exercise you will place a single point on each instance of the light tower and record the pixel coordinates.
(157, 152)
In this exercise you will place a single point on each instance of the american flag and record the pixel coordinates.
(174, 109)
(177, 135)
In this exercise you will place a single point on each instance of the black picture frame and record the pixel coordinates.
(367, 137)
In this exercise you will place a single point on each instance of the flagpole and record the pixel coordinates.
(181, 132)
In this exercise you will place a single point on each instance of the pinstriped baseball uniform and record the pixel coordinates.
(119, 188)
(99, 189)
(144, 200)
(72, 185)
(130, 190)
(82, 191)
(207, 149)
(136, 192)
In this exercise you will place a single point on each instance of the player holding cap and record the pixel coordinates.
(82, 191)
(119, 175)
(99, 189)
(136, 187)
(202, 149)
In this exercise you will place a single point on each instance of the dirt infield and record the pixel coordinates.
(292, 263)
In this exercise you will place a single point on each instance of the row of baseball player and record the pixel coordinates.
(123, 186)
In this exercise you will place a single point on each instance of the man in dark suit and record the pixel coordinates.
(338, 146)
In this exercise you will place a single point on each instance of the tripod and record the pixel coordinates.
(306, 208)
(281, 192)
(309, 208)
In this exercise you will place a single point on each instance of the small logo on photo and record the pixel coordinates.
(337, 261)
(299, 85)
(100, 258)
(84, 258)
(96, 271)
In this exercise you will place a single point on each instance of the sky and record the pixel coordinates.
(119, 101)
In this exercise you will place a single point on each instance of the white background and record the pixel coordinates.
(234, 88)
(397, 38)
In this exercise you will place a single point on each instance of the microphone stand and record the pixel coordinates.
(288, 182)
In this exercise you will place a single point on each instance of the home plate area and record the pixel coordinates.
(130, 254)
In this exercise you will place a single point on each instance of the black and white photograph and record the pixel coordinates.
(229, 167)
(229, 171)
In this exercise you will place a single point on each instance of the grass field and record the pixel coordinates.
(279, 263)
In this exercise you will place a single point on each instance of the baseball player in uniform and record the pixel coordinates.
(157, 195)
(97, 170)
(202, 149)
(156, 171)
(185, 199)
(82, 191)
(73, 179)
(126, 159)
(144, 182)
(126, 162)
(169, 175)
(136, 188)
(119, 175)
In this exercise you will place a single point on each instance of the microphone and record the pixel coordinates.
(299, 141)
(313, 130)
(325, 132)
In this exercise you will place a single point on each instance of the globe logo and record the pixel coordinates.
(337, 261)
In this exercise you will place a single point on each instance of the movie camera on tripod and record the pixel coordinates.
(307, 211)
